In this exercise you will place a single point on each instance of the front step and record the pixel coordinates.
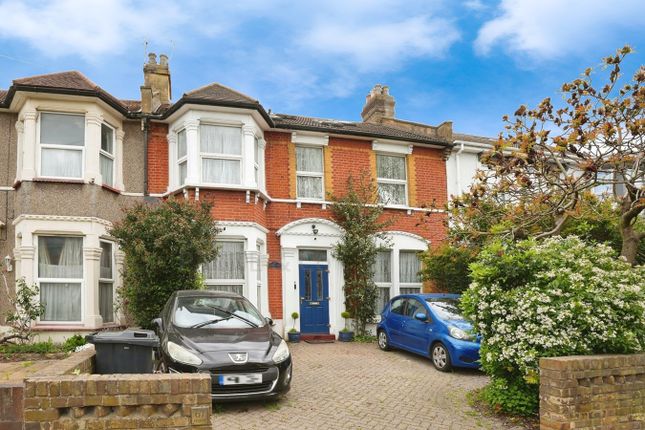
(317, 336)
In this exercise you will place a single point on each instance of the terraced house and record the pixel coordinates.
(73, 155)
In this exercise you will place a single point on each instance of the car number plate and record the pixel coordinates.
(248, 378)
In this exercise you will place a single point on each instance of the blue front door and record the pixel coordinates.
(314, 298)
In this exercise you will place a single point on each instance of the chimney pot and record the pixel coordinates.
(163, 59)
(152, 58)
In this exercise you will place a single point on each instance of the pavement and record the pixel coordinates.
(357, 386)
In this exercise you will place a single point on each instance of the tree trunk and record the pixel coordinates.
(631, 240)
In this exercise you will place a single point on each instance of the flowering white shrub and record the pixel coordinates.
(553, 298)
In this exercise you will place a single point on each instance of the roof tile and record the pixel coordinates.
(351, 127)
(68, 80)
(218, 93)
(3, 94)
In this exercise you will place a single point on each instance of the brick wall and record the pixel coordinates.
(118, 401)
(592, 392)
(157, 158)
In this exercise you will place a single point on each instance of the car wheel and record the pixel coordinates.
(441, 357)
(383, 341)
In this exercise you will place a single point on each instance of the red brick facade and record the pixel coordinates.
(348, 157)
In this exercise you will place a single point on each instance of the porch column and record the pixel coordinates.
(92, 168)
(248, 142)
(92, 257)
(118, 152)
(252, 260)
(290, 288)
(193, 176)
(29, 145)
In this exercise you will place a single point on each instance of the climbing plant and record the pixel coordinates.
(359, 215)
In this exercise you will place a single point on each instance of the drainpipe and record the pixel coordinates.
(144, 127)
(458, 165)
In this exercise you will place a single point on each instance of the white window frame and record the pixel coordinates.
(402, 284)
(220, 156)
(256, 160)
(40, 280)
(404, 182)
(305, 173)
(180, 160)
(42, 146)
(231, 282)
(108, 155)
(111, 280)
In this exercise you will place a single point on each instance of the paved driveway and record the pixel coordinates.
(357, 386)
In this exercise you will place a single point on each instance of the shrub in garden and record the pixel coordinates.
(447, 267)
(553, 298)
(164, 246)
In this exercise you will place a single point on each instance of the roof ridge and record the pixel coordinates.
(57, 73)
(217, 84)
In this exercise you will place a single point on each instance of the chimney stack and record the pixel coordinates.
(156, 88)
(379, 104)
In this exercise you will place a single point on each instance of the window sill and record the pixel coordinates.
(60, 180)
(109, 188)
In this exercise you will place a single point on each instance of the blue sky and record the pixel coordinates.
(469, 61)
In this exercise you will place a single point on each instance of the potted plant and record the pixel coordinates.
(294, 335)
(345, 335)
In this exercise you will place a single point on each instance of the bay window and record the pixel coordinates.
(221, 154)
(106, 155)
(62, 143)
(391, 179)
(60, 277)
(226, 272)
(182, 157)
(309, 173)
(106, 282)
(382, 270)
(409, 267)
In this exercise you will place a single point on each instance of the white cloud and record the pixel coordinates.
(554, 28)
(383, 44)
(475, 5)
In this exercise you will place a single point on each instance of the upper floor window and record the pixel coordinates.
(182, 157)
(221, 154)
(106, 155)
(392, 179)
(309, 172)
(62, 143)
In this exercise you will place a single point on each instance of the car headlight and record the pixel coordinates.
(460, 334)
(282, 353)
(182, 355)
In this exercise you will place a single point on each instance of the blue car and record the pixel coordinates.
(430, 325)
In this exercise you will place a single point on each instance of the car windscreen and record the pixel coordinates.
(216, 312)
(446, 309)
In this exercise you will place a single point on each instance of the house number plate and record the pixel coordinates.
(249, 378)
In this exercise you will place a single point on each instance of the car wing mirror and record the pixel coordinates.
(270, 321)
(158, 322)
(421, 316)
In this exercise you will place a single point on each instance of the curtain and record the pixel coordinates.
(393, 194)
(216, 171)
(106, 260)
(221, 140)
(64, 163)
(309, 159)
(59, 129)
(383, 267)
(106, 301)
(382, 299)
(62, 301)
(310, 187)
(237, 289)
(60, 257)
(107, 172)
(388, 167)
(229, 264)
(411, 290)
(409, 266)
(107, 139)
(181, 144)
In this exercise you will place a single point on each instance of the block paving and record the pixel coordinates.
(357, 386)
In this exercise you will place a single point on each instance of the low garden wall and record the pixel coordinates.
(66, 395)
(177, 401)
(599, 392)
